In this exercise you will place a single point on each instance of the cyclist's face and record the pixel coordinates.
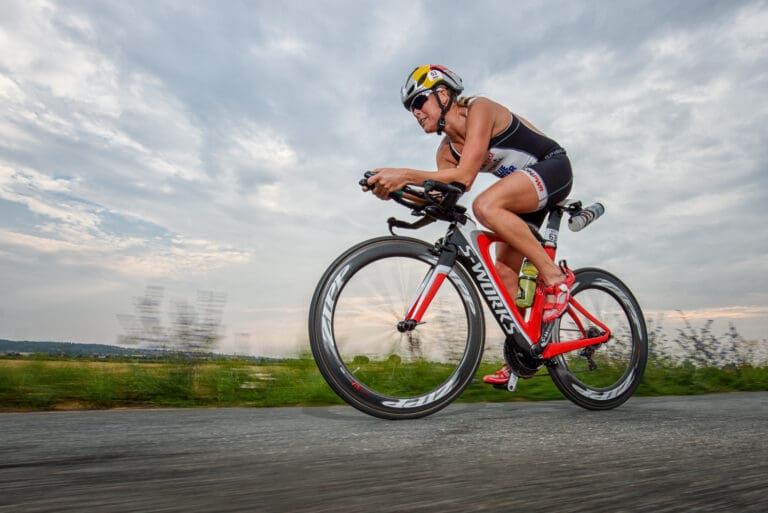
(426, 110)
(419, 100)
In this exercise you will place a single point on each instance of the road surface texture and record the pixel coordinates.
(687, 454)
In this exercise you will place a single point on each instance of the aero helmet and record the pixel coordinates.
(428, 77)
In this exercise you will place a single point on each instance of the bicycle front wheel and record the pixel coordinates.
(360, 352)
(602, 376)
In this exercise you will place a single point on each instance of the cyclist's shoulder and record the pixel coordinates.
(487, 117)
(482, 104)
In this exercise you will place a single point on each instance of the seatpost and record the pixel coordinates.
(552, 231)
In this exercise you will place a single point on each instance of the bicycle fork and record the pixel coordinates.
(428, 290)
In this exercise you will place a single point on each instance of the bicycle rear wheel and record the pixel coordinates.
(358, 348)
(602, 376)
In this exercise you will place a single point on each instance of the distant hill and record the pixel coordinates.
(70, 349)
(99, 350)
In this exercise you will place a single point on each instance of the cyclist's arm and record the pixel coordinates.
(482, 117)
(450, 170)
(480, 125)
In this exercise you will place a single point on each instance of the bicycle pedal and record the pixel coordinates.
(512, 383)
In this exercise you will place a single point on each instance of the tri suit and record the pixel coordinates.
(542, 160)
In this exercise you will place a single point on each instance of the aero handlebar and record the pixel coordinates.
(438, 200)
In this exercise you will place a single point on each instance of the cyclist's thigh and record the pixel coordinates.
(515, 192)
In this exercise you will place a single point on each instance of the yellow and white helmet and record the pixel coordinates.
(426, 77)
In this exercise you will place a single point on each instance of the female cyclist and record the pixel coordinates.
(484, 136)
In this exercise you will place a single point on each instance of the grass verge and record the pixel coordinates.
(67, 384)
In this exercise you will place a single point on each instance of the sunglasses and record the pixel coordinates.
(419, 100)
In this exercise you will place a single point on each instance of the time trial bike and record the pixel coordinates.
(397, 329)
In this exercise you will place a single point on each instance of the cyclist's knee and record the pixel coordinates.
(484, 209)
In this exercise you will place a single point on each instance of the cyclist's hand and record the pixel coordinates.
(387, 180)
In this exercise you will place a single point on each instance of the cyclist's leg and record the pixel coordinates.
(556, 177)
(508, 263)
(498, 208)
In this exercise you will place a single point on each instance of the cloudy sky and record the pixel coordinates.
(217, 145)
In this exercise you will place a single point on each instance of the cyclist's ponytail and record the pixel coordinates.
(465, 101)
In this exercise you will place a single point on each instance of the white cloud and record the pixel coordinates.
(176, 262)
(728, 312)
(59, 85)
(30, 179)
(746, 33)
(396, 29)
(37, 244)
(134, 257)
(35, 49)
(278, 44)
(251, 146)
(28, 187)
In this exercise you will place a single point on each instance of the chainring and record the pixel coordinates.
(518, 356)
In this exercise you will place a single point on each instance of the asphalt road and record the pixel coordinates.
(705, 453)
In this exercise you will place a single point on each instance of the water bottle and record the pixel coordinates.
(585, 216)
(527, 285)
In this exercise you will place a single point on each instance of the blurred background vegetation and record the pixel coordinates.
(694, 360)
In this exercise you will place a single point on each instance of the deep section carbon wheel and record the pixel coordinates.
(602, 376)
(354, 336)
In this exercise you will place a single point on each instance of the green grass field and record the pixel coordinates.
(50, 384)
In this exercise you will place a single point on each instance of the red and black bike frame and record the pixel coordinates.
(472, 247)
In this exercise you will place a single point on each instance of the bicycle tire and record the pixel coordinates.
(359, 351)
(620, 362)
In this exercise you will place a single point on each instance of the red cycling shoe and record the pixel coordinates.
(499, 378)
(562, 293)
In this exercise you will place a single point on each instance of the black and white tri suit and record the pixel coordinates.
(544, 162)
